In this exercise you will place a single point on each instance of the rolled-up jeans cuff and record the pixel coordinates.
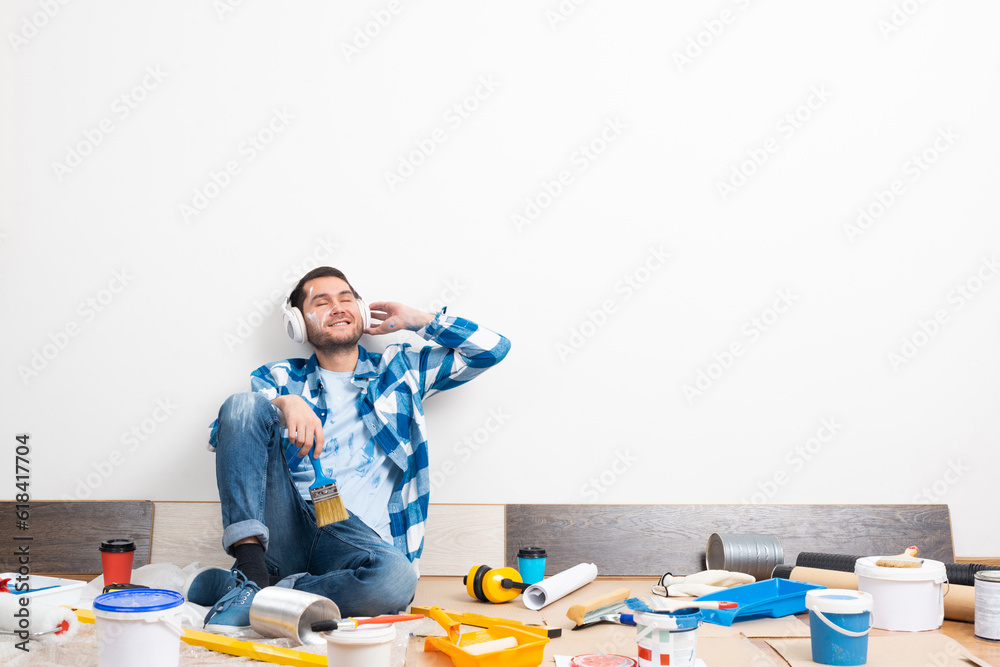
(289, 581)
(235, 532)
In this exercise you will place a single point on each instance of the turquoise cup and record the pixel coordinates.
(531, 564)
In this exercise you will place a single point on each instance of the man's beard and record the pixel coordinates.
(324, 341)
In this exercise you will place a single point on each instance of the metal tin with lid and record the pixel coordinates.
(987, 593)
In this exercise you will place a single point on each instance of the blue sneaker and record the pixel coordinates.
(209, 584)
(232, 612)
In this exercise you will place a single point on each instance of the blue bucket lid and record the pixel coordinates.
(138, 600)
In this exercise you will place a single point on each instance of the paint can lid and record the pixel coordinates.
(929, 570)
(117, 546)
(531, 552)
(839, 601)
(138, 600)
(602, 660)
(992, 576)
(380, 633)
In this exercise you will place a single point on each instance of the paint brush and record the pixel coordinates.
(353, 623)
(326, 498)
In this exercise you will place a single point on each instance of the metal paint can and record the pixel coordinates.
(286, 612)
(756, 555)
(988, 605)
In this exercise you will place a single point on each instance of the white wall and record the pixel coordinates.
(124, 118)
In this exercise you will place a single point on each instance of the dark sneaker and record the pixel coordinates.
(232, 612)
(210, 584)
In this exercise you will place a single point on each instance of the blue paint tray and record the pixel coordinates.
(772, 598)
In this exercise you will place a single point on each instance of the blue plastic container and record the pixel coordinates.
(839, 621)
(531, 564)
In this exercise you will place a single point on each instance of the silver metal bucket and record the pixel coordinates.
(756, 555)
(286, 612)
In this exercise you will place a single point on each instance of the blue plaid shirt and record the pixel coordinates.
(393, 386)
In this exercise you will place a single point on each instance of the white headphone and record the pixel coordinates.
(295, 324)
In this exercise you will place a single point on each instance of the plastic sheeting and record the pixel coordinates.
(82, 649)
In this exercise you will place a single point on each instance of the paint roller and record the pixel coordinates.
(26, 618)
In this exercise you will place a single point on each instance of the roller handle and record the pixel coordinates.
(323, 626)
(510, 583)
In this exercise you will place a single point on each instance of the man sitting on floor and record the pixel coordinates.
(362, 415)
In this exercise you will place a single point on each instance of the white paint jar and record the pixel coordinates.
(367, 647)
(906, 598)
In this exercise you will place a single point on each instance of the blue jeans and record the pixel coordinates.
(347, 562)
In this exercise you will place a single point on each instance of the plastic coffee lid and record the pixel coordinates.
(138, 600)
(117, 546)
(375, 634)
(603, 660)
(928, 570)
(531, 552)
(839, 601)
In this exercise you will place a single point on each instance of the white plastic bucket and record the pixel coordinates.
(906, 598)
(667, 639)
(138, 627)
(368, 646)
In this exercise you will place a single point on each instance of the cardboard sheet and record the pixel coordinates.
(909, 650)
(760, 628)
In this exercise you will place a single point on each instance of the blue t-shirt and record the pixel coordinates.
(365, 475)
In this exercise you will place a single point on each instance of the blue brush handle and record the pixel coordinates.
(321, 479)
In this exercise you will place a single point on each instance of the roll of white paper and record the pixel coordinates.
(560, 585)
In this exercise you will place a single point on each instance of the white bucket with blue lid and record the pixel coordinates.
(839, 623)
(138, 626)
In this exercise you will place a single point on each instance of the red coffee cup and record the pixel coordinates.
(116, 561)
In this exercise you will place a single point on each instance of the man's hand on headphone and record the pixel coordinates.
(305, 430)
(393, 317)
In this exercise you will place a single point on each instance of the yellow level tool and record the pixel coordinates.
(263, 652)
